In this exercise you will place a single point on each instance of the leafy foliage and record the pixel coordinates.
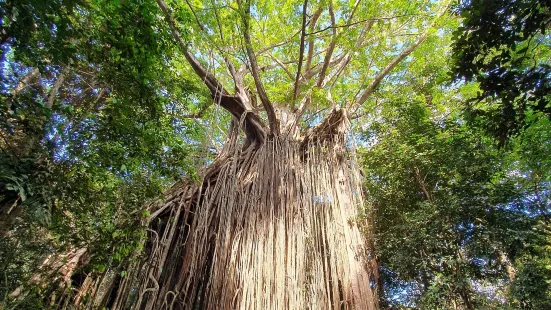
(453, 216)
(504, 47)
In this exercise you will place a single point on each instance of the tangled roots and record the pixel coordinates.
(273, 228)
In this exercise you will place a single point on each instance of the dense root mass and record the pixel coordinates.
(274, 230)
(269, 227)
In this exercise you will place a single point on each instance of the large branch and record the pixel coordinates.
(345, 57)
(388, 68)
(337, 64)
(210, 81)
(236, 75)
(26, 80)
(252, 124)
(326, 62)
(313, 21)
(282, 65)
(392, 64)
(301, 51)
(57, 85)
(331, 48)
(329, 61)
(342, 61)
(268, 107)
(317, 67)
(335, 38)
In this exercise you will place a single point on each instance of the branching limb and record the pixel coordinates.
(25, 81)
(313, 21)
(282, 65)
(316, 69)
(236, 75)
(305, 102)
(252, 125)
(339, 69)
(301, 51)
(392, 64)
(268, 107)
(306, 75)
(195, 15)
(342, 61)
(271, 47)
(210, 81)
(272, 66)
(331, 48)
(339, 62)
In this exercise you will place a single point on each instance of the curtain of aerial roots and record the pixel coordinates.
(275, 230)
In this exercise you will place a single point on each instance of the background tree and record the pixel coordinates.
(503, 45)
(455, 219)
(452, 222)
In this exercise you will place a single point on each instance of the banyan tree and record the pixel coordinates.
(277, 219)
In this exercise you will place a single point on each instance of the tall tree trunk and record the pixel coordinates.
(269, 227)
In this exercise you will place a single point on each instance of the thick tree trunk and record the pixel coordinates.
(270, 227)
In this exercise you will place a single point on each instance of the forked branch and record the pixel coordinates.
(313, 21)
(252, 125)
